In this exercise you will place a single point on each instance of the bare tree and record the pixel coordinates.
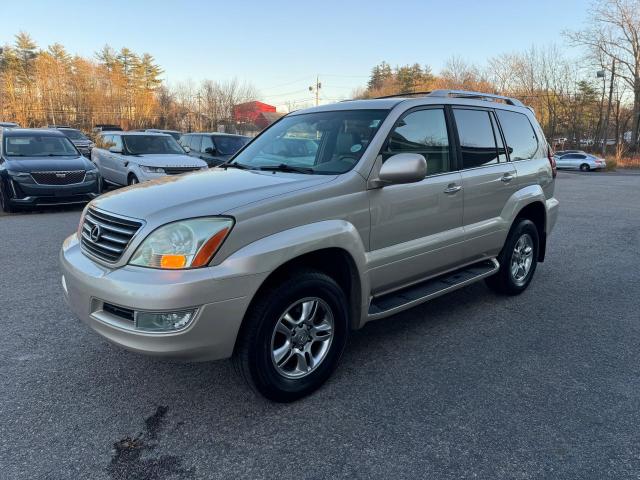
(614, 32)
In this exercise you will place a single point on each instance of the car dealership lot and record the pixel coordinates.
(544, 385)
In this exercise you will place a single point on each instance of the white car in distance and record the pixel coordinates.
(127, 158)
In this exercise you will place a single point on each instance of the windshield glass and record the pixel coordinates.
(327, 142)
(229, 145)
(73, 134)
(38, 146)
(151, 144)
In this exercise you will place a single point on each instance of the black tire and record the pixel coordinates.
(132, 179)
(584, 167)
(253, 354)
(504, 281)
(4, 199)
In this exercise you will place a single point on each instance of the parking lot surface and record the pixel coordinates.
(472, 385)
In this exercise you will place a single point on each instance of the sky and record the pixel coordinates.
(281, 46)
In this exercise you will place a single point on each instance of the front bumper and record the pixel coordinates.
(220, 296)
(35, 195)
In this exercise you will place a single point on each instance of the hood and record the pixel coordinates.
(44, 164)
(208, 192)
(167, 160)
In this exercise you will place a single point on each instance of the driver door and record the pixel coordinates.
(416, 228)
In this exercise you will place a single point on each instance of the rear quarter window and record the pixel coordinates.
(519, 134)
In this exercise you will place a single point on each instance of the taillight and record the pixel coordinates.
(552, 162)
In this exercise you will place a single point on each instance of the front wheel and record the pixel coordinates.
(518, 259)
(293, 336)
(132, 180)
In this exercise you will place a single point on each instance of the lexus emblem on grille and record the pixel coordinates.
(95, 233)
(61, 175)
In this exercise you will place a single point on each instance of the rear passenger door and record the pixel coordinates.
(488, 180)
(416, 228)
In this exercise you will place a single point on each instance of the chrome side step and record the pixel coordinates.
(413, 295)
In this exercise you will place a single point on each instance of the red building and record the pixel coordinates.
(257, 113)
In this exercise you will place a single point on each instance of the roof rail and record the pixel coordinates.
(403, 94)
(476, 95)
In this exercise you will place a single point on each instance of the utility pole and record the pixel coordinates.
(606, 118)
(316, 89)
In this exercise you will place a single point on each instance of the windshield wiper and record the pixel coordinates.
(241, 166)
(283, 167)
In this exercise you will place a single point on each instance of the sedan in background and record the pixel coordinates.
(127, 158)
(42, 167)
(580, 161)
(8, 125)
(79, 139)
(213, 148)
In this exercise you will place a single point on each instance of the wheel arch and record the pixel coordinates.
(536, 212)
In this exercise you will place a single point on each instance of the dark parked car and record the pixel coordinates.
(43, 167)
(213, 148)
(79, 139)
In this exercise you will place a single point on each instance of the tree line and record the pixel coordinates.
(40, 87)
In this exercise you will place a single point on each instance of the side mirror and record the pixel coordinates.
(403, 168)
(210, 150)
(186, 149)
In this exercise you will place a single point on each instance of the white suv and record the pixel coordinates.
(127, 158)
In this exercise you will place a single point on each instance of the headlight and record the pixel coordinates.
(146, 169)
(184, 244)
(91, 173)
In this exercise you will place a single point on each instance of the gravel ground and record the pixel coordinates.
(472, 385)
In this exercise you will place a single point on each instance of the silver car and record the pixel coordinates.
(274, 257)
(577, 160)
(127, 158)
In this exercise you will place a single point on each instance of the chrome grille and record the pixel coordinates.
(179, 170)
(65, 177)
(106, 236)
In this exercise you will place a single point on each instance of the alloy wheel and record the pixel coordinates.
(302, 337)
(522, 259)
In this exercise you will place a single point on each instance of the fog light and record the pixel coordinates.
(163, 321)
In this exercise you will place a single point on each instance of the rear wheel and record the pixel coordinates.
(518, 259)
(584, 167)
(293, 336)
(4, 199)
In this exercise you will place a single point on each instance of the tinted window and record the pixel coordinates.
(38, 146)
(206, 143)
(230, 145)
(195, 143)
(477, 142)
(73, 134)
(152, 144)
(520, 136)
(423, 132)
(184, 140)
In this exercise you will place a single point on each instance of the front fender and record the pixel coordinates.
(267, 254)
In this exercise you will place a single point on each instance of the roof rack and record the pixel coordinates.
(460, 94)
(476, 95)
(405, 94)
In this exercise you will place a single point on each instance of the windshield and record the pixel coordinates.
(38, 146)
(323, 142)
(73, 134)
(151, 144)
(229, 145)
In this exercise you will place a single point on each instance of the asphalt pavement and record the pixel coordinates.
(471, 385)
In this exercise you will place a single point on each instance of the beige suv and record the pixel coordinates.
(332, 217)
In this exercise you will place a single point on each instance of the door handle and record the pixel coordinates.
(452, 188)
(506, 178)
